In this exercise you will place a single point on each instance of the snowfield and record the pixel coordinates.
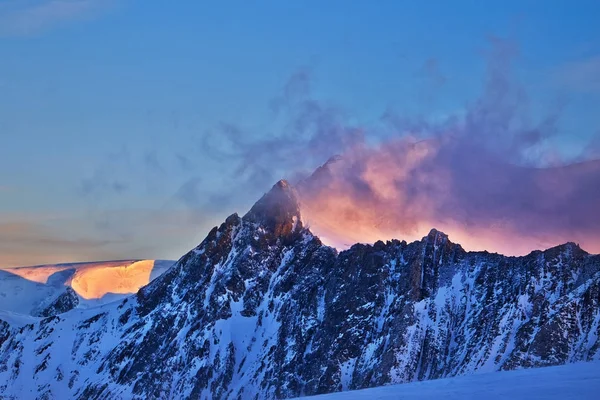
(24, 290)
(580, 381)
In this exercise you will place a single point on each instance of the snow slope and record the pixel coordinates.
(580, 381)
(261, 309)
(24, 290)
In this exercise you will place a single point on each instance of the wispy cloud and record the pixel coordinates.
(28, 17)
(32, 239)
(581, 75)
(486, 175)
(24, 243)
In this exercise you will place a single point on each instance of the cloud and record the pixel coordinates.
(99, 183)
(190, 193)
(152, 162)
(24, 17)
(33, 239)
(483, 176)
(486, 175)
(592, 150)
(405, 187)
(184, 162)
(109, 178)
(305, 133)
(580, 76)
(431, 73)
(27, 242)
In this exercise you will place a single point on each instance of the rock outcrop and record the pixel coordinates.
(262, 309)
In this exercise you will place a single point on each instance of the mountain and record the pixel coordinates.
(31, 290)
(262, 309)
(580, 381)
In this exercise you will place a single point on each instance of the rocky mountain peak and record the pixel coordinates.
(434, 234)
(66, 301)
(262, 309)
(278, 210)
(571, 247)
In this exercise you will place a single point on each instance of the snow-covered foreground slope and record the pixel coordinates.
(580, 381)
(261, 309)
(27, 290)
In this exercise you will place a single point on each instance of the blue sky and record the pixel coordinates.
(105, 104)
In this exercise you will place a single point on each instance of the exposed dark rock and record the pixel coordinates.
(262, 309)
(66, 301)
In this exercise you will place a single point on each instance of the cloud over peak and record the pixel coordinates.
(27, 17)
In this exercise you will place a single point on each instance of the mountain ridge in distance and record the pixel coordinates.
(29, 290)
(262, 309)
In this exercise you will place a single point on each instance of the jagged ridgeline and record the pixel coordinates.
(262, 309)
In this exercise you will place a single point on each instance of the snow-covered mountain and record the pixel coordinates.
(262, 309)
(579, 381)
(31, 290)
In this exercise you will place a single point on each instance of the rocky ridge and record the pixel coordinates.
(262, 309)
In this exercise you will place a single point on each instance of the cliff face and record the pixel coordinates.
(262, 309)
(64, 302)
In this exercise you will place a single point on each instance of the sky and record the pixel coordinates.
(128, 129)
